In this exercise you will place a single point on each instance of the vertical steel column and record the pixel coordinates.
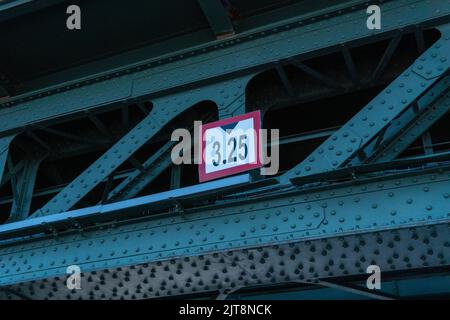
(25, 185)
(4, 147)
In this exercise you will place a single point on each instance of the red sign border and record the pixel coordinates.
(256, 116)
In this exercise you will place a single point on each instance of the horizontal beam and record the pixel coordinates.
(192, 69)
(399, 254)
(15, 8)
(363, 205)
(160, 201)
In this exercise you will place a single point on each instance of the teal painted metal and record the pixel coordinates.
(4, 147)
(164, 110)
(217, 17)
(406, 128)
(249, 54)
(426, 117)
(371, 206)
(122, 209)
(153, 167)
(361, 209)
(306, 261)
(138, 180)
(25, 186)
(384, 108)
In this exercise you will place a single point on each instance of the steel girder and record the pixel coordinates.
(411, 125)
(308, 262)
(138, 180)
(226, 95)
(346, 142)
(248, 53)
(364, 207)
(372, 206)
(157, 163)
(398, 132)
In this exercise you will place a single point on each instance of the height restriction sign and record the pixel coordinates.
(230, 146)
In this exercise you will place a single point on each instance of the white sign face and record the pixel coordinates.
(230, 146)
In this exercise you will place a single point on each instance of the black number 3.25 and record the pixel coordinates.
(232, 156)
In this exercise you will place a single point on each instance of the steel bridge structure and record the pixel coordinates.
(86, 176)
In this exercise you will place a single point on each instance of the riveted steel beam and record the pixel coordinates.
(372, 205)
(398, 133)
(199, 66)
(138, 180)
(164, 110)
(128, 209)
(406, 132)
(65, 105)
(384, 108)
(310, 262)
(58, 187)
(394, 132)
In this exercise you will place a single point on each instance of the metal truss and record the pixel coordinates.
(155, 165)
(411, 125)
(230, 58)
(132, 86)
(23, 186)
(285, 233)
(4, 146)
(346, 142)
(226, 95)
(139, 179)
(357, 207)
